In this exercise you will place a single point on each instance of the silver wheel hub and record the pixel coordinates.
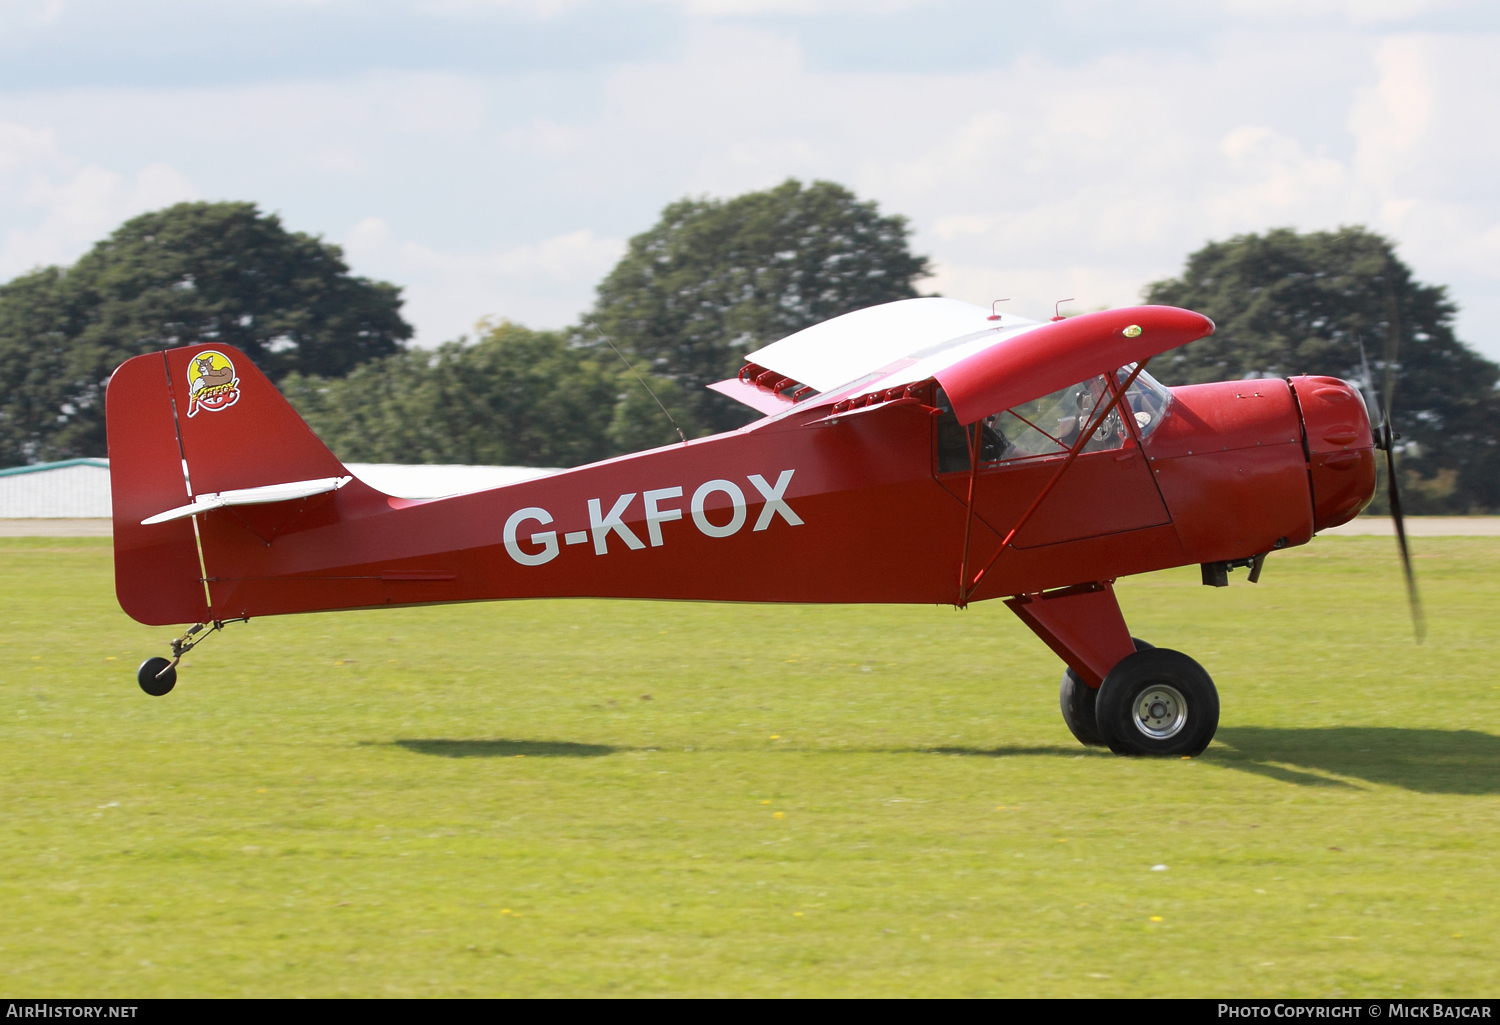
(1160, 711)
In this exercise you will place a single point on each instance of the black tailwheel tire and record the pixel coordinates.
(150, 682)
(1077, 700)
(1157, 702)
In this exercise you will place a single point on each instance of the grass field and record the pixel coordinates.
(583, 797)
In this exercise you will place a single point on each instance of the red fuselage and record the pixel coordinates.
(810, 506)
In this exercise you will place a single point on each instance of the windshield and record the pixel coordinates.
(1052, 423)
(1148, 399)
(1049, 425)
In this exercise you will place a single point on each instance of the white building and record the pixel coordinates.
(79, 488)
(71, 489)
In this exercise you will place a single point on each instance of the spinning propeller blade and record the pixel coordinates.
(1385, 438)
(1418, 618)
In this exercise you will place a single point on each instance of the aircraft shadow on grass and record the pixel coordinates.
(1423, 760)
(1009, 751)
(507, 748)
(1426, 761)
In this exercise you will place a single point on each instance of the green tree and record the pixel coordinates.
(515, 397)
(1288, 303)
(716, 278)
(194, 272)
(41, 417)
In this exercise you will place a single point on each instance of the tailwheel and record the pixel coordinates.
(157, 676)
(1157, 702)
(1078, 704)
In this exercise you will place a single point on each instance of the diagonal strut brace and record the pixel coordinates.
(967, 588)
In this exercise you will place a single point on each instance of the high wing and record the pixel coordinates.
(1043, 359)
(985, 363)
(829, 354)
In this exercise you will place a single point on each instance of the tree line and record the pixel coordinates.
(710, 281)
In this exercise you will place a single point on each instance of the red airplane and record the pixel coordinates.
(922, 451)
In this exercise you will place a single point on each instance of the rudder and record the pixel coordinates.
(182, 423)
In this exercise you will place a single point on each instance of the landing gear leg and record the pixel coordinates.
(1084, 626)
(157, 676)
(1120, 692)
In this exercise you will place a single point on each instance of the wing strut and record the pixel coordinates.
(973, 438)
(966, 591)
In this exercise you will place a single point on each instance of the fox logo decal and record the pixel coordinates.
(212, 383)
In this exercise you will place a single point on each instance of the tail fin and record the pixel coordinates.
(184, 423)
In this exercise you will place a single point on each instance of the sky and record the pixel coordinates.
(492, 157)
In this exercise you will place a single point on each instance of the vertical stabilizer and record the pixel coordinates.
(184, 423)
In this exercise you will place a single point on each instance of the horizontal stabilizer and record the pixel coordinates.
(250, 496)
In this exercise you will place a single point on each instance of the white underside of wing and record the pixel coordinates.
(250, 496)
(932, 333)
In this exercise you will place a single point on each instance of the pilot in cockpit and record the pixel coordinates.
(1088, 398)
(1074, 420)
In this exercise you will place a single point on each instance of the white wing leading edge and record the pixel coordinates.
(837, 351)
(879, 346)
(985, 363)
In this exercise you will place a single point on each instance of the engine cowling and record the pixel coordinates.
(1340, 448)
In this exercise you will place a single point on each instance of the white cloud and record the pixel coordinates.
(542, 284)
(545, 138)
(1270, 180)
(64, 205)
(1039, 181)
(540, 9)
(508, 193)
(729, 8)
(22, 146)
(1391, 119)
(1355, 12)
(1428, 155)
(20, 14)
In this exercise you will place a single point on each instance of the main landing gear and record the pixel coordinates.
(1078, 702)
(1120, 692)
(157, 676)
(1157, 702)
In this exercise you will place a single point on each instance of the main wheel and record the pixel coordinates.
(153, 684)
(1077, 700)
(1157, 702)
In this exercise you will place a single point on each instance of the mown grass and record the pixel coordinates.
(644, 798)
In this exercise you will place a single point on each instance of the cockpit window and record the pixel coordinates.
(1148, 399)
(1050, 425)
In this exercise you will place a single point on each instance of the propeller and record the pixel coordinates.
(1385, 440)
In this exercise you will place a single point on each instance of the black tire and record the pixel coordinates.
(1157, 702)
(1077, 700)
(150, 682)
